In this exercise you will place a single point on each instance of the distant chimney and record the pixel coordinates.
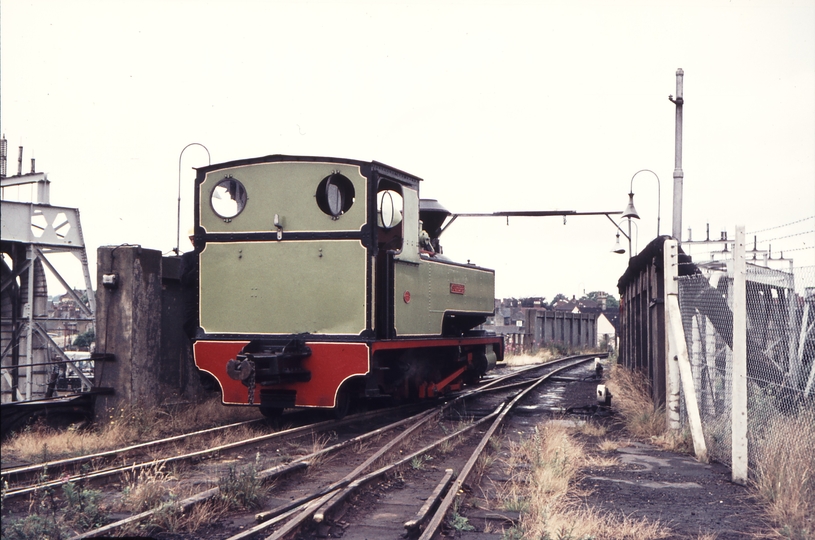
(32, 166)
(20, 162)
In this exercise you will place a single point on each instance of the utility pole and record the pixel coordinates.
(676, 229)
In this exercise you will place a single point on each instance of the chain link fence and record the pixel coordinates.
(780, 314)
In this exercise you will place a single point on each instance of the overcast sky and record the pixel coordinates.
(496, 105)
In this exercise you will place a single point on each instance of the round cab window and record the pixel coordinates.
(228, 198)
(335, 195)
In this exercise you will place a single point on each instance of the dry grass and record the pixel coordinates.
(124, 427)
(545, 470)
(318, 443)
(609, 445)
(565, 522)
(785, 462)
(544, 355)
(679, 441)
(592, 429)
(204, 513)
(517, 360)
(631, 396)
(147, 488)
(785, 474)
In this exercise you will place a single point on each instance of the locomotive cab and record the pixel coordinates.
(321, 278)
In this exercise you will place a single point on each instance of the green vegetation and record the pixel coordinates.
(52, 516)
(84, 340)
(242, 488)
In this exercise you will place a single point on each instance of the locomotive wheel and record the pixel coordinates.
(471, 377)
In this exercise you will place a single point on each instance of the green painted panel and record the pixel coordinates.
(287, 189)
(284, 287)
(430, 294)
(411, 318)
(479, 288)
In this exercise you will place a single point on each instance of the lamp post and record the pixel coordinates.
(631, 212)
(178, 225)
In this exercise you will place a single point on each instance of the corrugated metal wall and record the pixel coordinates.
(642, 317)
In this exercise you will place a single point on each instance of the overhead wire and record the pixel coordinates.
(782, 226)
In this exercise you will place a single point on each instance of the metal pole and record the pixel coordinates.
(629, 239)
(676, 229)
(178, 224)
(29, 315)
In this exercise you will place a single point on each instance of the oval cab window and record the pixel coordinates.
(228, 198)
(389, 208)
(335, 195)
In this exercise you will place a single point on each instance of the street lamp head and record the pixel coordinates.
(618, 248)
(630, 211)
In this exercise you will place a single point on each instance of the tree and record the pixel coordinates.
(84, 340)
(611, 301)
(558, 297)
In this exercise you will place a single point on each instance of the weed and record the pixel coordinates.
(50, 518)
(447, 446)
(119, 428)
(168, 517)
(146, 488)
(632, 397)
(460, 523)
(484, 462)
(544, 471)
(82, 505)
(204, 513)
(608, 445)
(495, 443)
(675, 441)
(785, 474)
(592, 429)
(417, 462)
(512, 534)
(243, 488)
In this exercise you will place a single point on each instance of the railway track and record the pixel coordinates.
(25, 480)
(413, 453)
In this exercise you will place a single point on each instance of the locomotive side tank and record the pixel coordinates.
(321, 280)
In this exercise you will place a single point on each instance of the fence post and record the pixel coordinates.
(739, 404)
(670, 273)
(676, 336)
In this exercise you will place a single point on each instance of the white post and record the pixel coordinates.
(670, 275)
(698, 364)
(739, 405)
(710, 353)
(677, 344)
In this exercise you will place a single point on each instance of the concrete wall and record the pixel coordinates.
(140, 322)
(572, 329)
